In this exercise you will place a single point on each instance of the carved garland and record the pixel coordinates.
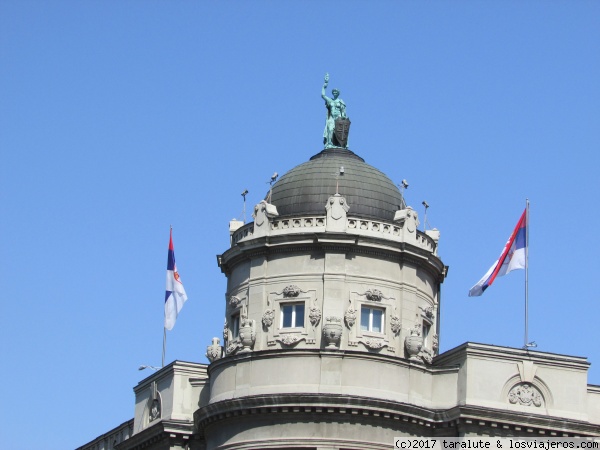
(526, 395)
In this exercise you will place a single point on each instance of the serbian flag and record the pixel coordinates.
(175, 296)
(512, 257)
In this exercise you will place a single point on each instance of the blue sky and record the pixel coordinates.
(118, 119)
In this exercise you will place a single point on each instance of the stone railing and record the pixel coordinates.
(355, 226)
(242, 233)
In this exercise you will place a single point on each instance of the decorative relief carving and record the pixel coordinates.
(268, 317)
(247, 332)
(234, 301)
(427, 311)
(154, 410)
(374, 295)
(350, 316)
(426, 355)
(234, 346)
(414, 342)
(290, 339)
(291, 291)
(374, 343)
(214, 351)
(314, 315)
(435, 343)
(225, 332)
(332, 332)
(526, 395)
(395, 324)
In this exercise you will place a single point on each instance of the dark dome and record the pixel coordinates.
(305, 189)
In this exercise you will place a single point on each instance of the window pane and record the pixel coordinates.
(235, 328)
(377, 321)
(364, 318)
(286, 312)
(299, 316)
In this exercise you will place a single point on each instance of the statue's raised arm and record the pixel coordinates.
(337, 124)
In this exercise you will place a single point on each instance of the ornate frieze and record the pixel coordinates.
(526, 395)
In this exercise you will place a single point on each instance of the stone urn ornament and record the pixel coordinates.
(414, 343)
(214, 351)
(247, 335)
(332, 332)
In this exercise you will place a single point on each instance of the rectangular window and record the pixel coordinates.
(235, 326)
(372, 319)
(292, 315)
(426, 328)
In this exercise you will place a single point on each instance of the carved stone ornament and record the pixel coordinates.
(314, 316)
(234, 346)
(374, 343)
(414, 343)
(426, 355)
(214, 351)
(234, 301)
(290, 339)
(395, 324)
(332, 332)
(427, 311)
(435, 342)
(337, 207)
(526, 395)
(268, 317)
(225, 331)
(374, 295)
(350, 317)
(154, 410)
(291, 291)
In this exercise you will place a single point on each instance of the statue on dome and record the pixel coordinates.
(337, 125)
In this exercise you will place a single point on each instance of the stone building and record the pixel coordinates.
(332, 320)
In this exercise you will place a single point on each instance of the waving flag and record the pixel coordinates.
(175, 296)
(512, 257)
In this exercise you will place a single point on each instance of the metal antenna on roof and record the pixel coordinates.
(244, 210)
(273, 178)
(426, 205)
(403, 186)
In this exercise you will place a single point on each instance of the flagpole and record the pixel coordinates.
(526, 274)
(164, 346)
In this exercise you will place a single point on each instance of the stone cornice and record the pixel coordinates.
(341, 407)
(472, 349)
(347, 354)
(163, 430)
(323, 242)
(194, 370)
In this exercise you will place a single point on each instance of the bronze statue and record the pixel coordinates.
(337, 125)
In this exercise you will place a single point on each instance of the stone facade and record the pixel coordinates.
(331, 340)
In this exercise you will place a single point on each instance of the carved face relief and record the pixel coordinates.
(291, 291)
(374, 295)
(267, 318)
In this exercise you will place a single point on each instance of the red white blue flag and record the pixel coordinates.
(175, 296)
(512, 257)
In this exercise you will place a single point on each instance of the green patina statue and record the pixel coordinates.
(337, 124)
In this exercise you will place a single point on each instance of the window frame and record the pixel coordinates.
(370, 308)
(293, 319)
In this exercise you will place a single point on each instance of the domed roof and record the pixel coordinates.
(305, 189)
